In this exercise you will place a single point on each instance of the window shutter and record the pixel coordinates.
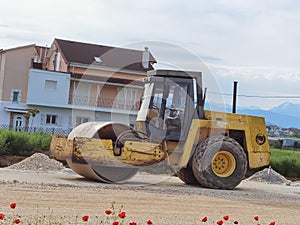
(70, 122)
(43, 119)
(12, 95)
(59, 120)
(19, 96)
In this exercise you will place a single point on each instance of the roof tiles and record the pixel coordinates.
(121, 58)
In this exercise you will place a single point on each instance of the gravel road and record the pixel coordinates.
(45, 190)
(163, 199)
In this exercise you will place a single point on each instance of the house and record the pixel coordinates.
(73, 82)
(14, 69)
(291, 143)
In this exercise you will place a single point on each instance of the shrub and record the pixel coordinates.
(22, 143)
(276, 144)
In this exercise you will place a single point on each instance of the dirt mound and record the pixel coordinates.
(7, 160)
(268, 175)
(38, 162)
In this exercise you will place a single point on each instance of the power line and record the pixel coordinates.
(259, 96)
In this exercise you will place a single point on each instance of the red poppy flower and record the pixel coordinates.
(149, 222)
(122, 215)
(115, 223)
(256, 218)
(17, 221)
(226, 217)
(132, 223)
(2, 216)
(272, 223)
(85, 218)
(13, 205)
(236, 222)
(204, 219)
(108, 211)
(220, 222)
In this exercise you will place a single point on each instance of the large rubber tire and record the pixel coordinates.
(219, 162)
(187, 175)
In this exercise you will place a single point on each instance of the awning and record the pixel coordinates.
(17, 110)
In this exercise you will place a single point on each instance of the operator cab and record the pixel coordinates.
(168, 104)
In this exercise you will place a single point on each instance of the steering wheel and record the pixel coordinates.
(172, 113)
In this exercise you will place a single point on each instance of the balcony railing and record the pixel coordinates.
(104, 102)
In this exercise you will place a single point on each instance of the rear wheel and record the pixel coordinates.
(219, 162)
(187, 175)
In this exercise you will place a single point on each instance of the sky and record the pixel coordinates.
(253, 42)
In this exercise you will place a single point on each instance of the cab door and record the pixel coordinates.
(172, 105)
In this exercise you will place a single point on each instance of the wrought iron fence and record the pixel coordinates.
(46, 130)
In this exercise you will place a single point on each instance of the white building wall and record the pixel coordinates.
(4, 115)
(61, 122)
(48, 88)
(125, 118)
(7, 107)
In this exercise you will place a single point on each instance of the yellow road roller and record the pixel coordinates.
(205, 148)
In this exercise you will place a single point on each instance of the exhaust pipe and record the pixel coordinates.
(234, 96)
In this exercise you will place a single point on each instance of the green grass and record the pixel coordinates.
(286, 162)
(23, 143)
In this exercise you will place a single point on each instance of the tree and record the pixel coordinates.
(31, 113)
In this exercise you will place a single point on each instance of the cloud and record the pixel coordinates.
(4, 26)
(258, 81)
(246, 40)
(249, 33)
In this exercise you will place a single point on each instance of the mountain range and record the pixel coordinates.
(286, 115)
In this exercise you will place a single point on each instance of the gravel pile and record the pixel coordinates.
(268, 175)
(38, 162)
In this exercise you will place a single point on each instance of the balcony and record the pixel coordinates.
(104, 103)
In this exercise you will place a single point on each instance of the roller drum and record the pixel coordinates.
(96, 171)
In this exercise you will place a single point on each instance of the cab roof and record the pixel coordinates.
(175, 73)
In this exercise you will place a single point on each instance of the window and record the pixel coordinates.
(80, 120)
(16, 96)
(50, 84)
(127, 98)
(81, 93)
(51, 119)
(97, 59)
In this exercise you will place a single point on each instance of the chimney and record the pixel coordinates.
(57, 62)
(145, 58)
